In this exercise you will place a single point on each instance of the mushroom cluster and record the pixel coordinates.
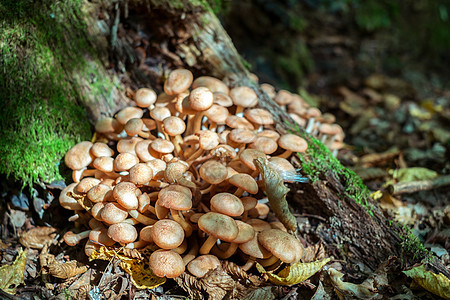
(176, 172)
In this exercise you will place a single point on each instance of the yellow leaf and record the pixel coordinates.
(139, 270)
(12, 275)
(295, 273)
(438, 284)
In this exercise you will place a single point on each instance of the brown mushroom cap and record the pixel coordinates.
(145, 97)
(100, 193)
(203, 264)
(281, 244)
(125, 194)
(227, 204)
(243, 96)
(270, 134)
(246, 232)
(282, 166)
(208, 140)
(68, 202)
(269, 90)
(85, 185)
(101, 149)
(174, 126)
(123, 233)
(79, 156)
(213, 172)
(175, 197)
(201, 99)
(178, 81)
(146, 234)
(166, 263)
(254, 249)
(142, 151)
(128, 144)
(140, 173)
(249, 155)
(249, 202)
(292, 142)
(245, 182)
(158, 166)
(239, 122)
(213, 84)
(162, 146)
(100, 235)
(104, 164)
(222, 99)
(127, 113)
(259, 116)
(264, 144)
(113, 213)
(258, 224)
(167, 234)
(284, 97)
(125, 161)
(218, 225)
(217, 114)
(242, 136)
(108, 125)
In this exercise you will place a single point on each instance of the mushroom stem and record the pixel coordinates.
(193, 251)
(310, 125)
(232, 247)
(285, 154)
(182, 248)
(197, 124)
(195, 155)
(73, 239)
(177, 141)
(208, 244)
(249, 264)
(137, 245)
(178, 217)
(239, 192)
(269, 261)
(140, 217)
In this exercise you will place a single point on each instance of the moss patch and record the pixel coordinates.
(39, 115)
(322, 161)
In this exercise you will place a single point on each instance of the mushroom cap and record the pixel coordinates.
(245, 182)
(260, 210)
(238, 122)
(146, 234)
(283, 97)
(201, 99)
(313, 112)
(292, 142)
(128, 144)
(223, 151)
(282, 166)
(254, 249)
(217, 114)
(213, 172)
(79, 156)
(242, 136)
(249, 155)
(134, 126)
(158, 166)
(175, 170)
(108, 125)
(123, 233)
(264, 144)
(243, 96)
(270, 134)
(85, 185)
(328, 129)
(113, 213)
(127, 113)
(100, 235)
(159, 113)
(125, 161)
(101, 149)
(178, 81)
(249, 202)
(246, 232)
(259, 116)
(227, 204)
(269, 90)
(100, 193)
(167, 234)
(281, 244)
(69, 202)
(208, 140)
(218, 225)
(166, 263)
(145, 97)
(125, 194)
(142, 152)
(162, 146)
(299, 120)
(258, 224)
(202, 265)
(222, 99)
(104, 164)
(140, 173)
(175, 197)
(174, 126)
(213, 84)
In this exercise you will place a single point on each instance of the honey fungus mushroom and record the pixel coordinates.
(217, 226)
(166, 263)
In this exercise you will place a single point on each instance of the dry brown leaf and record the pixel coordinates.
(378, 159)
(438, 284)
(37, 237)
(313, 253)
(12, 275)
(261, 293)
(215, 285)
(237, 273)
(294, 273)
(66, 270)
(321, 293)
(348, 290)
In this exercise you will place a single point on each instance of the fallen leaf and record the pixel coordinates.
(348, 289)
(294, 273)
(438, 284)
(261, 293)
(37, 237)
(413, 174)
(66, 270)
(140, 273)
(320, 293)
(11, 276)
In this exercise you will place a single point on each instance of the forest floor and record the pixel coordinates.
(397, 141)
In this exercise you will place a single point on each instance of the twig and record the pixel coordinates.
(420, 185)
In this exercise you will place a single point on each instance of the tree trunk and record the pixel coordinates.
(187, 34)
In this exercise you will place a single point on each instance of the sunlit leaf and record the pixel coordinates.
(438, 284)
(294, 273)
(140, 273)
(12, 275)
(413, 174)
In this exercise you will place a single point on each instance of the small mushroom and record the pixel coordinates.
(166, 263)
(217, 226)
(291, 143)
(122, 233)
(202, 265)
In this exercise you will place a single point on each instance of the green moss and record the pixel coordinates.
(322, 161)
(39, 115)
(412, 246)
